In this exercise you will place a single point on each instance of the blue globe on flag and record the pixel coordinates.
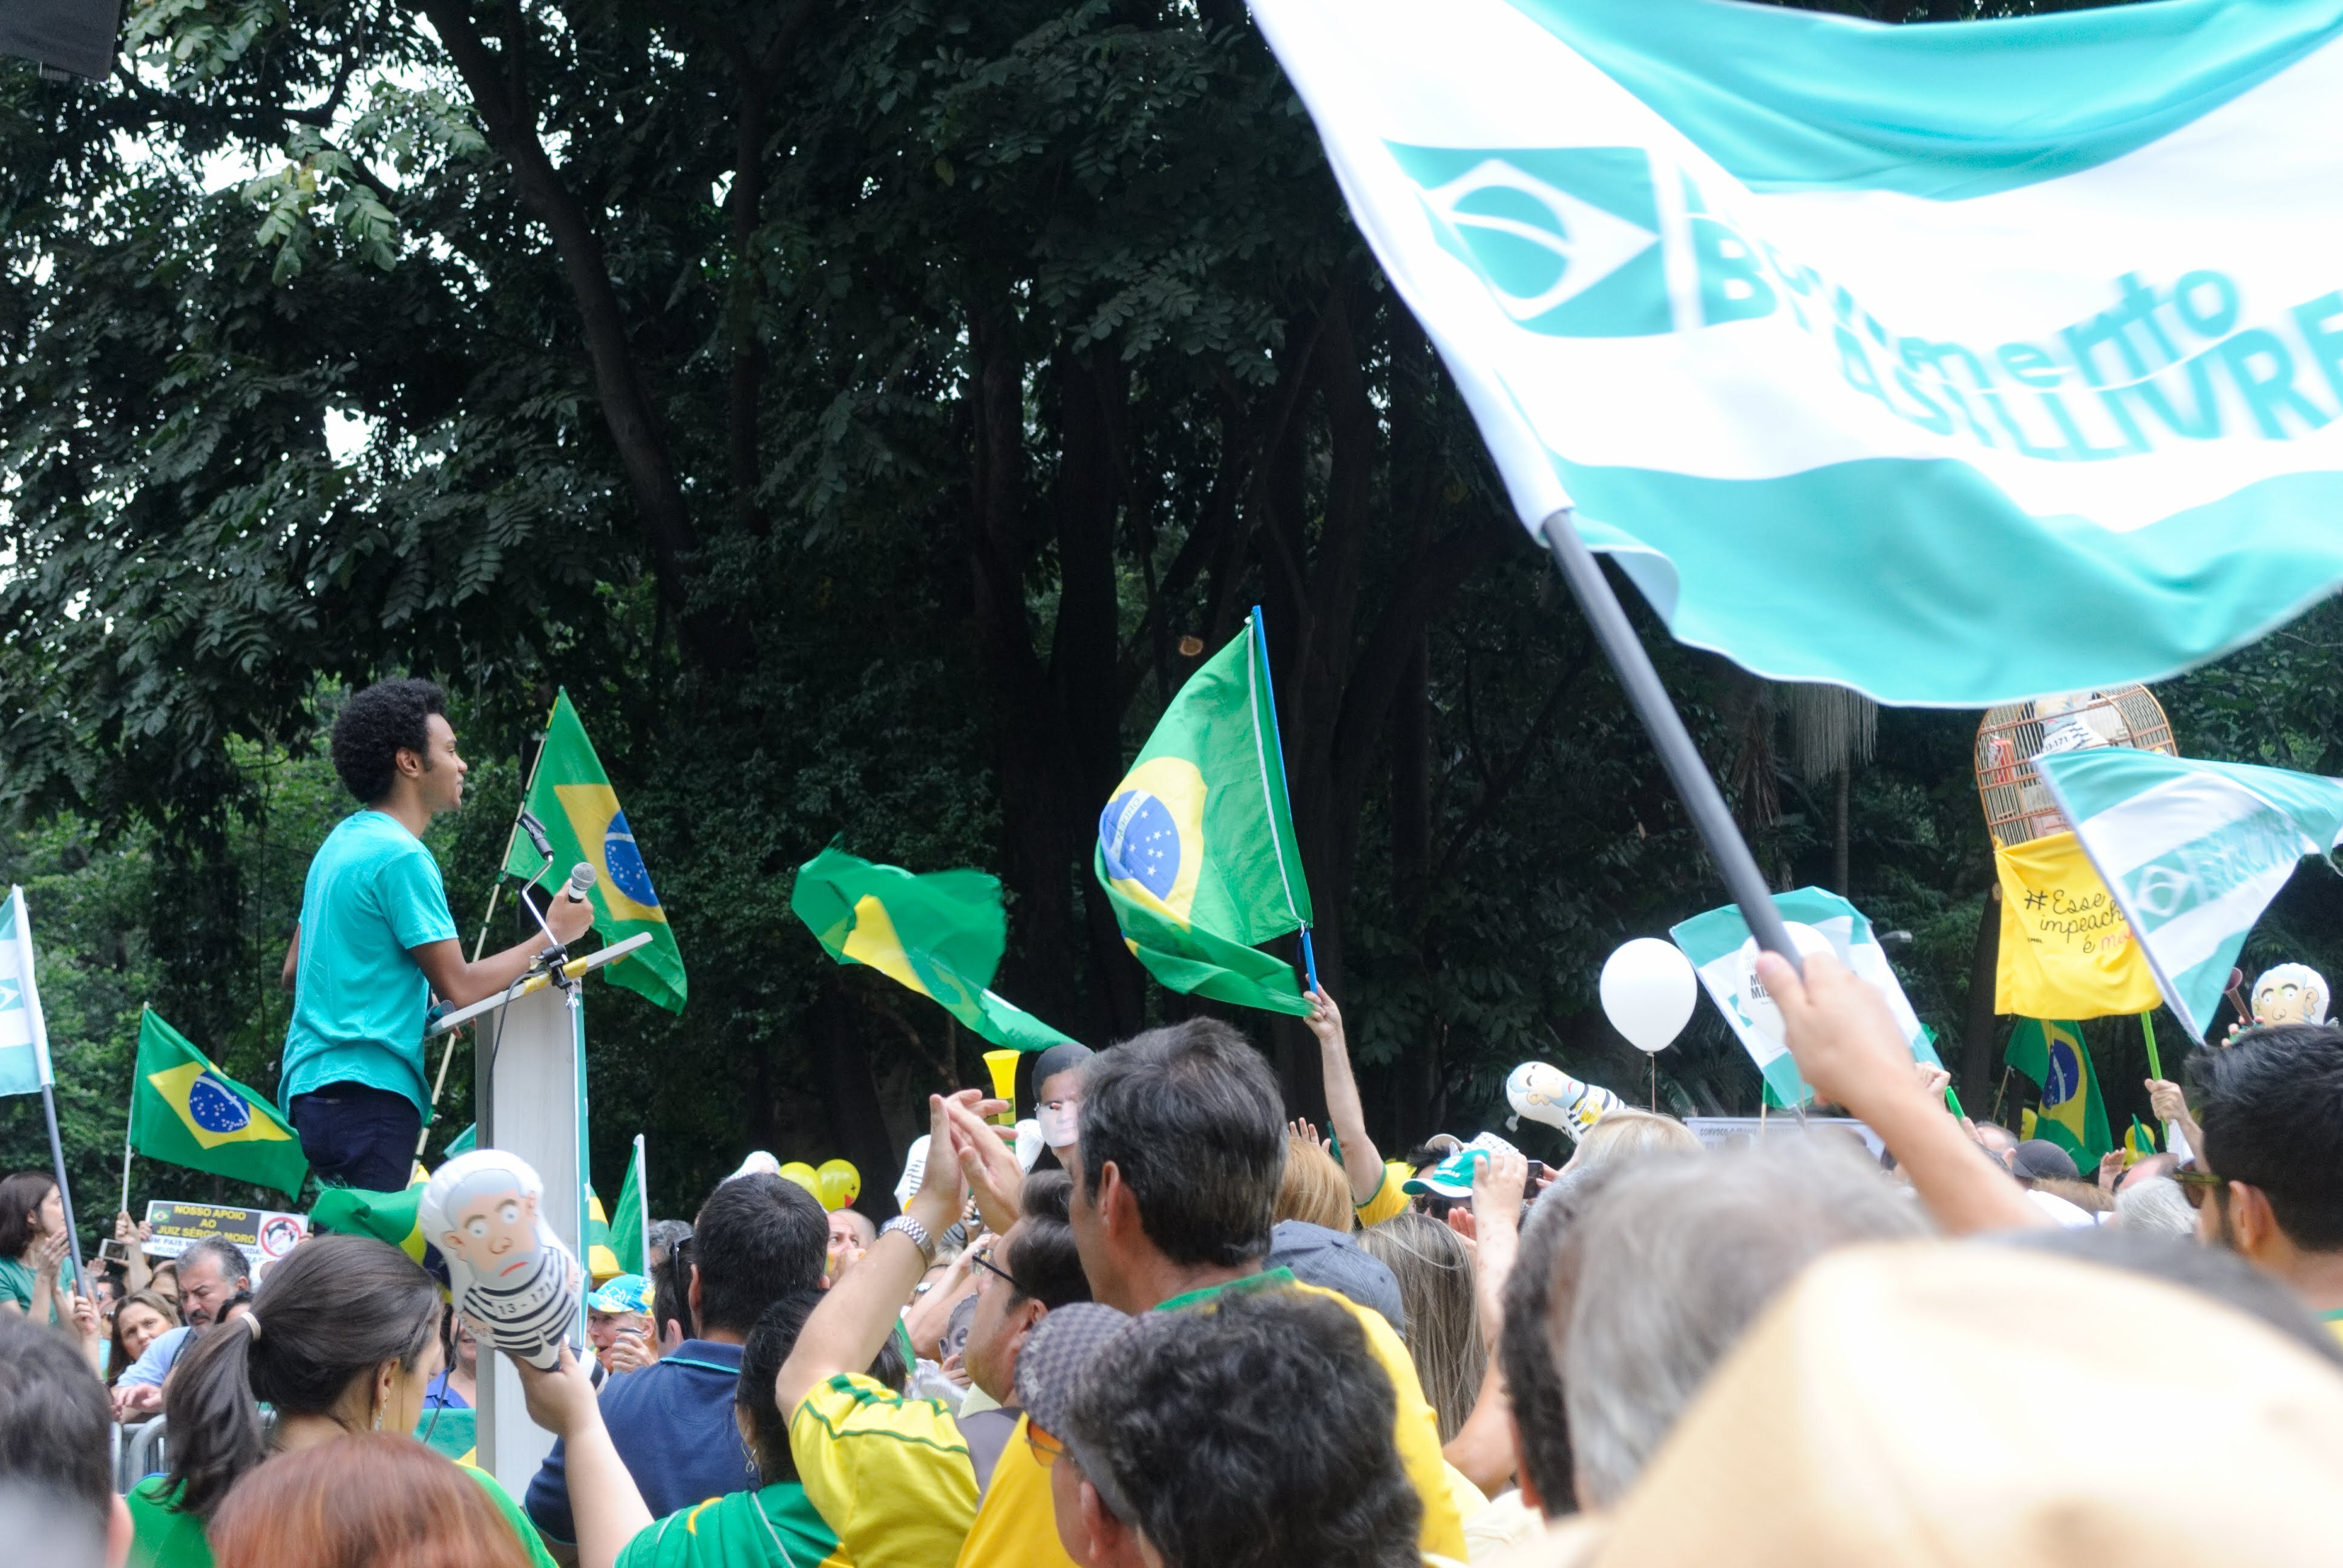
(625, 862)
(1147, 848)
(2065, 1075)
(215, 1107)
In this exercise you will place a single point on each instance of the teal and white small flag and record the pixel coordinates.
(24, 1037)
(1952, 364)
(2193, 852)
(1724, 955)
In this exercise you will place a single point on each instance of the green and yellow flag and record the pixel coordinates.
(185, 1110)
(393, 1216)
(940, 934)
(1196, 850)
(572, 796)
(2073, 1116)
(629, 1226)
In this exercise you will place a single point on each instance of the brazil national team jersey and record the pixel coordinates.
(774, 1528)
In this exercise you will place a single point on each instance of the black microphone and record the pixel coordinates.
(581, 882)
(535, 830)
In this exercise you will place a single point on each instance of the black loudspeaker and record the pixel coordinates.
(65, 36)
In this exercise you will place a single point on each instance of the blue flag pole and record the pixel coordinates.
(1285, 787)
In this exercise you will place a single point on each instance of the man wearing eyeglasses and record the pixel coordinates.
(2269, 1184)
(907, 1482)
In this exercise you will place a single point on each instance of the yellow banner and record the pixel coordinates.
(2065, 951)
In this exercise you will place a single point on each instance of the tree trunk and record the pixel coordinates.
(1978, 1032)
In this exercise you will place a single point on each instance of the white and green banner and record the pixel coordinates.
(1954, 364)
(2193, 852)
(24, 1035)
(1724, 955)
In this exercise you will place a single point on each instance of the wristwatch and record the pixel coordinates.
(915, 1233)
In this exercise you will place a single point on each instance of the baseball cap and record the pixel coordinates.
(622, 1293)
(1061, 1347)
(1452, 1177)
(1334, 1261)
(2038, 1157)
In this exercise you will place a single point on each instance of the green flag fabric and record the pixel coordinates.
(572, 796)
(186, 1112)
(940, 934)
(1196, 848)
(632, 1218)
(392, 1217)
(464, 1142)
(2073, 1116)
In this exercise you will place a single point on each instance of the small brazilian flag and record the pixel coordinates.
(393, 1216)
(185, 1110)
(941, 935)
(627, 1230)
(2073, 1116)
(572, 796)
(601, 1262)
(1196, 848)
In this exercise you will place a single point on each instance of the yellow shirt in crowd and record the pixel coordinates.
(1389, 1201)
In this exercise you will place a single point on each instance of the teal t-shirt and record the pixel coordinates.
(16, 1285)
(358, 996)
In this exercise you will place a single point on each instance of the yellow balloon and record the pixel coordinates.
(840, 1184)
(799, 1171)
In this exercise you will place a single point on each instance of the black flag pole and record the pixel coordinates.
(1678, 755)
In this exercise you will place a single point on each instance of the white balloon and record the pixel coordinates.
(1763, 1013)
(1649, 990)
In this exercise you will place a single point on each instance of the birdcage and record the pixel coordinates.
(2017, 804)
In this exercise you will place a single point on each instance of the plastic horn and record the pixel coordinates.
(1002, 1065)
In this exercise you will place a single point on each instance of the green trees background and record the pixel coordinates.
(871, 414)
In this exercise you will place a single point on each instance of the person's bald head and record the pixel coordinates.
(2148, 1170)
(1998, 1141)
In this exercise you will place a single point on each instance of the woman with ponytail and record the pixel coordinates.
(343, 1336)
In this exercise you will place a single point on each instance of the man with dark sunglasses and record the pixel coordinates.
(2268, 1183)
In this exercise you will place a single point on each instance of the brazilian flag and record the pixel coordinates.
(1196, 848)
(941, 935)
(2072, 1116)
(571, 795)
(186, 1111)
(393, 1216)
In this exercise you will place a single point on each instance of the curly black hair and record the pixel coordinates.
(375, 726)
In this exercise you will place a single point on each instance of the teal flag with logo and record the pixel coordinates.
(1951, 364)
(24, 1035)
(1196, 848)
(1724, 955)
(2193, 853)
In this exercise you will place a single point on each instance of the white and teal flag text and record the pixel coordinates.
(1724, 955)
(24, 1037)
(2193, 852)
(1952, 364)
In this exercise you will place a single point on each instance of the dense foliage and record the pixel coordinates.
(870, 414)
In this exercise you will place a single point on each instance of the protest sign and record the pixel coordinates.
(264, 1236)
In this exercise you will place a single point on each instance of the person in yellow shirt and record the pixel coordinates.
(1252, 1434)
(894, 1477)
(1182, 1143)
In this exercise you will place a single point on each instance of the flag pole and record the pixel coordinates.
(643, 1197)
(1694, 786)
(1285, 783)
(126, 1165)
(22, 921)
(65, 1192)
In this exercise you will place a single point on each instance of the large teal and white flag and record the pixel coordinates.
(2193, 852)
(1724, 955)
(1954, 364)
(24, 1037)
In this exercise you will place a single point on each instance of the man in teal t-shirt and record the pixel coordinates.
(376, 941)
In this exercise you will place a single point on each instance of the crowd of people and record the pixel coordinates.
(1196, 1334)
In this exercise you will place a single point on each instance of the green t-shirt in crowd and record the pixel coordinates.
(16, 1285)
(358, 996)
(776, 1528)
(163, 1537)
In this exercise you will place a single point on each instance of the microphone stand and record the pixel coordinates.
(538, 841)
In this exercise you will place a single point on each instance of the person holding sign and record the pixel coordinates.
(376, 941)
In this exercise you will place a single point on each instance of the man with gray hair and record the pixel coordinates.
(211, 1273)
(1679, 1256)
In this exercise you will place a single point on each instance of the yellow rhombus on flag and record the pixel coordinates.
(2066, 951)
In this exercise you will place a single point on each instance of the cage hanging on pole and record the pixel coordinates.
(2017, 805)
